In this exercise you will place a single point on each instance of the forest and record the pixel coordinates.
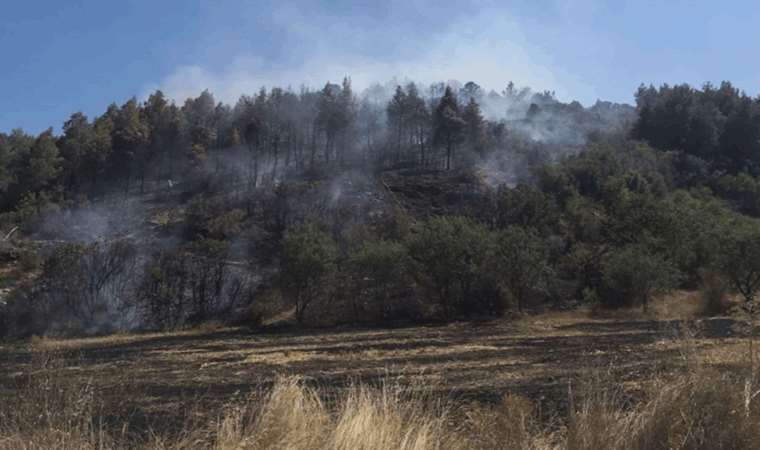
(397, 204)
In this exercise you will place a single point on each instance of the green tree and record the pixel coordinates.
(76, 145)
(131, 135)
(378, 268)
(162, 118)
(97, 161)
(474, 127)
(15, 149)
(44, 164)
(449, 254)
(739, 256)
(525, 206)
(448, 125)
(634, 274)
(308, 261)
(521, 262)
(6, 158)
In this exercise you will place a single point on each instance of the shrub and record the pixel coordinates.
(521, 262)
(631, 275)
(739, 258)
(308, 261)
(449, 256)
(378, 269)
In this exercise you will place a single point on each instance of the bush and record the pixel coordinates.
(631, 276)
(739, 258)
(308, 261)
(521, 261)
(378, 269)
(449, 257)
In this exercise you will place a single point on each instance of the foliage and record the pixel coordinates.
(633, 274)
(308, 261)
(449, 256)
(378, 269)
(521, 260)
(739, 257)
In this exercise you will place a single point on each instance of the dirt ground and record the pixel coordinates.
(156, 376)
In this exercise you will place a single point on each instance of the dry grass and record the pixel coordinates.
(703, 409)
(497, 385)
(54, 344)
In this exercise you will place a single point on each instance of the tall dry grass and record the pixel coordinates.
(702, 409)
(49, 412)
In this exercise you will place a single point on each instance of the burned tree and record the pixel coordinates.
(87, 286)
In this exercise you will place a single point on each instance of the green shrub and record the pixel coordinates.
(632, 274)
(449, 257)
(308, 261)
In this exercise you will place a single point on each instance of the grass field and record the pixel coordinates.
(165, 381)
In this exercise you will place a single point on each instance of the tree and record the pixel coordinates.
(525, 206)
(474, 126)
(200, 128)
(419, 119)
(370, 126)
(739, 257)
(163, 122)
(332, 116)
(15, 149)
(77, 143)
(251, 130)
(44, 164)
(89, 284)
(472, 91)
(6, 159)
(347, 114)
(378, 267)
(448, 124)
(190, 285)
(396, 112)
(308, 261)
(521, 262)
(98, 159)
(634, 273)
(449, 254)
(131, 135)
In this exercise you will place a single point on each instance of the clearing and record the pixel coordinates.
(158, 377)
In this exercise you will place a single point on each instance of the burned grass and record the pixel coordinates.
(537, 357)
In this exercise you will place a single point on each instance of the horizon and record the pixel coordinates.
(82, 56)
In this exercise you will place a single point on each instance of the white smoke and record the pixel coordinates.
(488, 46)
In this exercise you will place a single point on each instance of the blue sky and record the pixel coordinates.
(62, 56)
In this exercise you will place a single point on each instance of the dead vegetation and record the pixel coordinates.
(703, 409)
(562, 380)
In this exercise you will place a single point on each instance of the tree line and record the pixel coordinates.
(666, 200)
(279, 130)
